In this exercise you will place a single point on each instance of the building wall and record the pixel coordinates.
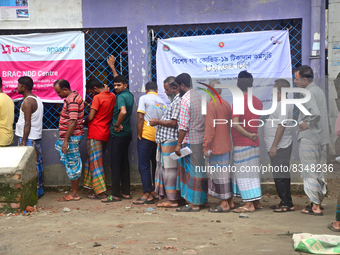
(49, 14)
(334, 70)
(136, 16)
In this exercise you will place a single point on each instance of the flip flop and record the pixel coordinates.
(330, 226)
(155, 197)
(110, 199)
(166, 205)
(311, 205)
(68, 198)
(284, 208)
(310, 212)
(187, 208)
(94, 196)
(275, 206)
(219, 209)
(245, 210)
(144, 201)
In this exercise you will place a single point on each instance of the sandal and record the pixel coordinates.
(94, 196)
(187, 208)
(284, 208)
(143, 201)
(219, 209)
(311, 212)
(278, 206)
(311, 205)
(155, 197)
(110, 199)
(244, 210)
(68, 198)
(330, 226)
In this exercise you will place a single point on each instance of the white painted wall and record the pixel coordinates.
(45, 14)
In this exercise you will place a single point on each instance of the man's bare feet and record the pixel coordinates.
(231, 203)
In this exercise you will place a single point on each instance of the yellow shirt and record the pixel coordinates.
(6, 120)
(152, 106)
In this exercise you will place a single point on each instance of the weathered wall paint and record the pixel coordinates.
(49, 14)
(334, 71)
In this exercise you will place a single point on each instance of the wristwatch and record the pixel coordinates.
(117, 126)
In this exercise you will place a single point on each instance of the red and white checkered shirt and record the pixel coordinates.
(191, 119)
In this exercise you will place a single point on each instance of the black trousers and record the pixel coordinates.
(146, 154)
(282, 178)
(120, 167)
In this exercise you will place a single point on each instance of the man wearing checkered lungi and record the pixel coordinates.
(312, 135)
(166, 139)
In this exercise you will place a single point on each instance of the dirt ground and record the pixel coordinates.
(124, 228)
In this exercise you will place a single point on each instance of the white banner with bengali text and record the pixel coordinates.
(266, 55)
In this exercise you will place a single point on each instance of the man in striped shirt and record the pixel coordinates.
(71, 132)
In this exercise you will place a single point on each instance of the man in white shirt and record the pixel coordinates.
(150, 106)
(278, 141)
(29, 126)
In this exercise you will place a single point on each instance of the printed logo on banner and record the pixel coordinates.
(166, 47)
(60, 50)
(274, 41)
(9, 49)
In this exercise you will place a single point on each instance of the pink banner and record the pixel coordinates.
(43, 73)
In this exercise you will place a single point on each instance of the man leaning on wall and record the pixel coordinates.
(29, 126)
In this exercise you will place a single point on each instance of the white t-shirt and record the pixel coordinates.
(274, 120)
(36, 121)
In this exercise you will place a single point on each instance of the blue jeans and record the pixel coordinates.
(146, 153)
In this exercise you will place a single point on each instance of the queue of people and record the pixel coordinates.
(166, 129)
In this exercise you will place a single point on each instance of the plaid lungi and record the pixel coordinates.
(313, 182)
(36, 144)
(166, 171)
(246, 179)
(94, 167)
(191, 181)
(219, 184)
(71, 160)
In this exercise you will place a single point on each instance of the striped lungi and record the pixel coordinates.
(166, 171)
(94, 167)
(71, 160)
(313, 182)
(246, 179)
(192, 182)
(36, 144)
(219, 184)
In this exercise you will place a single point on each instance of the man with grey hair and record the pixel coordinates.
(216, 148)
(166, 139)
(313, 135)
(167, 88)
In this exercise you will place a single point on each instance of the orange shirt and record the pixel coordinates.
(217, 138)
(99, 127)
(240, 140)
